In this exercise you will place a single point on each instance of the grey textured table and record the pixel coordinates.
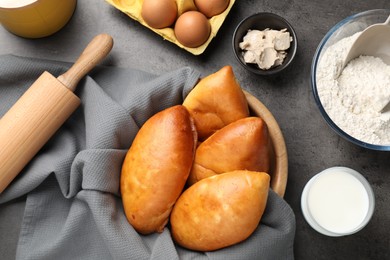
(312, 145)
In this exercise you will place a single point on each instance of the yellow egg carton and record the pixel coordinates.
(133, 9)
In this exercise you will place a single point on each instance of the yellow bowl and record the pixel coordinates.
(36, 19)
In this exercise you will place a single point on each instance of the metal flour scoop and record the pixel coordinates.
(373, 41)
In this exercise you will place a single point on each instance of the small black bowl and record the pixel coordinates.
(262, 21)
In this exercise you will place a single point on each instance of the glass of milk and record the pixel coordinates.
(337, 202)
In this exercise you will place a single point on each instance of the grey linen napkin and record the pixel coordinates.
(73, 206)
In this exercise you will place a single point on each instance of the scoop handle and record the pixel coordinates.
(95, 52)
(387, 22)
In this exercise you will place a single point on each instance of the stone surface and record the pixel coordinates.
(312, 145)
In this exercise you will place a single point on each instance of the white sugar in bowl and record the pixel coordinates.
(337, 202)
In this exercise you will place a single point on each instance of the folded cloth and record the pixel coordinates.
(73, 206)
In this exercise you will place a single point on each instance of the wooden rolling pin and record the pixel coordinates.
(42, 109)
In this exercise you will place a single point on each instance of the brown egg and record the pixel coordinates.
(159, 13)
(192, 29)
(211, 7)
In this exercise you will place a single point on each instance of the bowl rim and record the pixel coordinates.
(313, 80)
(274, 70)
(279, 174)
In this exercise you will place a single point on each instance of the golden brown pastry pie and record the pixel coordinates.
(216, 101)
(241, 145)
(156, 168)
(220, 211)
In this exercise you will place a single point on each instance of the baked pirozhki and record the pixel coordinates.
(220, 211)
(216, 101)
(156, 168)
(241, 145)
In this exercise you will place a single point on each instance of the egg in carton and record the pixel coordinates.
(133, 8)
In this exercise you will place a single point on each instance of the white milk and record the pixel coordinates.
(15, 3)
(337, 201)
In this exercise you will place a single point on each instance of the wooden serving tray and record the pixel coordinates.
(133, 9)
(279, 160)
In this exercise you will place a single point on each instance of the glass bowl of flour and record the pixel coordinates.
(348, 100)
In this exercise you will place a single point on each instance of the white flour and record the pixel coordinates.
(351, 100)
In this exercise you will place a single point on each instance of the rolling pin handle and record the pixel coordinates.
(93, 54)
